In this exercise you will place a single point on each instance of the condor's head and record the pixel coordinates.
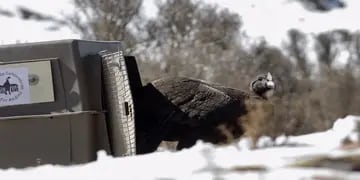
(263, 86)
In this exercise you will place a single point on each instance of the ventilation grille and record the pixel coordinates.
(119, 104)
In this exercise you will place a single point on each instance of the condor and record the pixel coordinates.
(186, 110)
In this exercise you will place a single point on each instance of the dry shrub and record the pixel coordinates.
(258, 120)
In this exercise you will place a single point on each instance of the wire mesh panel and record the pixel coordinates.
(119, 104)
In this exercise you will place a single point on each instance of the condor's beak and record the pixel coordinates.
(269, 76)
(270, 84)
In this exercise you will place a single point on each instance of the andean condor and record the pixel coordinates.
(186, 110)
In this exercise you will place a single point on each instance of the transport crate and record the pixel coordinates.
(62, 101)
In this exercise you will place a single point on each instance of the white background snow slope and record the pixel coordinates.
(204, 161)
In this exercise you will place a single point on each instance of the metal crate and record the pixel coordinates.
(81, 102)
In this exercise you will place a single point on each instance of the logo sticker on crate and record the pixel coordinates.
(14, 86)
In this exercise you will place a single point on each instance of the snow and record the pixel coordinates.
(206, 161)
(342, 128)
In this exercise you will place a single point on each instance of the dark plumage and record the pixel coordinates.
(186, 110)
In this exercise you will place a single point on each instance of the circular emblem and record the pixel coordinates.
(11, 87)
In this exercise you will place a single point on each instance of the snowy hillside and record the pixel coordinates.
(312, 156)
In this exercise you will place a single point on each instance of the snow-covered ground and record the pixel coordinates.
(294, 158)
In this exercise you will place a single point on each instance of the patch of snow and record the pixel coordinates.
(332, 138)
(281, 140)
(344, 126)
(245, 144)
(264, 141)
